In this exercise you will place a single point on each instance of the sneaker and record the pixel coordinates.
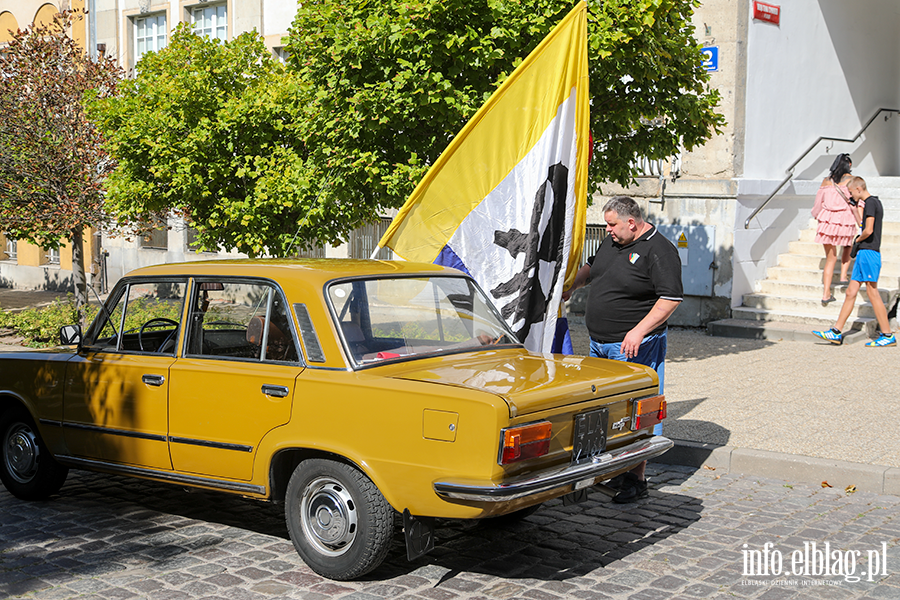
(883, 341)
(832, 335)
(632, 489)
(618, 481)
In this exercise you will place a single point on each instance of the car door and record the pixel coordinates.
(235, 380)
(115, 403)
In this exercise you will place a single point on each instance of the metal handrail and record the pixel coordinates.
(790, 169)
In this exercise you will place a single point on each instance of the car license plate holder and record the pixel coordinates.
(589, 437)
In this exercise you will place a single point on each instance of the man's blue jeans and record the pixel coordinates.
(652, 353)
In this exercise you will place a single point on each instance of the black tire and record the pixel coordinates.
(339, 522)
(27, 469)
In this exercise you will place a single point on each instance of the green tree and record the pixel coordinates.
(252, 152)
(52, 160)
(394, 81)
(208, 130)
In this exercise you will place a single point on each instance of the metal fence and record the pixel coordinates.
(593, 235)
(658, 168)
(364, 240)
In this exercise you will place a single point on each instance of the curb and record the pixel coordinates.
(794, 468)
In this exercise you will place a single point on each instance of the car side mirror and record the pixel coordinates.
(69, 335)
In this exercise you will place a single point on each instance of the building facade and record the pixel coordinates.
(788, 73)
(23, 264)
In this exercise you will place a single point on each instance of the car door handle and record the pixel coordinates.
(156, 380)
(278, 391)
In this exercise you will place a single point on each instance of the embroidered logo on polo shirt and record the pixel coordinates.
(632, 258)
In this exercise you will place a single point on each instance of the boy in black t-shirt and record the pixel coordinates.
(866, 270)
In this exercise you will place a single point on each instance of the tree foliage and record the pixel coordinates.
(52, 160)
(394, 81)
(252, 152)
(209, 130)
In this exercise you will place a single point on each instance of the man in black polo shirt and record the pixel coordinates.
(635, 287)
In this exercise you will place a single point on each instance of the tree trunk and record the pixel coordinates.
(78, 275)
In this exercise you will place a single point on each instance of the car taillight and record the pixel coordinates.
(524, 442)
(647, 412)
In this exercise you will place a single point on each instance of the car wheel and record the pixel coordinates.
(27, 469)
(339, 522)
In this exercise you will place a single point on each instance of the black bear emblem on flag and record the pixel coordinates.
(543, 250)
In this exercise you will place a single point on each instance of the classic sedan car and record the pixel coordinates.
(350, 391)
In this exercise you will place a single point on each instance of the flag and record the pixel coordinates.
(505, 202)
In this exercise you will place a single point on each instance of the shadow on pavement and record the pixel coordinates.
(100, 524)
(691, 344)
(677, 427)
(557, 542)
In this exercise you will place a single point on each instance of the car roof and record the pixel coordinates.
(310, 269)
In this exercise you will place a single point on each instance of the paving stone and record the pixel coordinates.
(110, 537)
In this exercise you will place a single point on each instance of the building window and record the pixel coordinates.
(211, 21)
(53, 257)
(10, 248)
(281, 53)
(190, 241)
(364, 240)
(149, 35)
(157, 239)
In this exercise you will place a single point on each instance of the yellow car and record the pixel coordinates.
(348, 390)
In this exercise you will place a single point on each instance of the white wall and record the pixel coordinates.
(823, 71)
(277, 16)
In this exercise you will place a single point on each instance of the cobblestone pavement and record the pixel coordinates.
(110, 537)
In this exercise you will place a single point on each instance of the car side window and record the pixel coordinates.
(143, 317)
(239, 320)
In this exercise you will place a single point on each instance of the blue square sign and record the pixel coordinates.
(710, 58)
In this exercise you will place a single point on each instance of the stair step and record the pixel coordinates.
(776, 330)
(813, 290)
(787, 303)
(810, 248)
(806, 306)
(889, 268)
(889, 240)
(813, 322)
(813, 276)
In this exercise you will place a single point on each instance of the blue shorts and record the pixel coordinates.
(867, 266)
(652, 353)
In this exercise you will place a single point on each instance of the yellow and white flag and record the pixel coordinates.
(506, 200)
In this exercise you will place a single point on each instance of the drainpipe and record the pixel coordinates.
(92, 29)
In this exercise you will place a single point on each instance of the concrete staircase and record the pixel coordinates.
(787, 303)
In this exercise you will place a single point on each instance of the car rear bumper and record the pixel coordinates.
(584, 475)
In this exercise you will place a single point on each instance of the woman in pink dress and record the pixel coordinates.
(838, 221)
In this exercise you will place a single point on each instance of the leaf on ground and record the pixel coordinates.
(825, 484)
(850, 489)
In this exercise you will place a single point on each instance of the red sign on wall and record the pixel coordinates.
(766, 12)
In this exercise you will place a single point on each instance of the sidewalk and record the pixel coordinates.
(763, 406)
(14, 299)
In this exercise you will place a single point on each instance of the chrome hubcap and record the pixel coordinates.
(328, 515)
(20, 452)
